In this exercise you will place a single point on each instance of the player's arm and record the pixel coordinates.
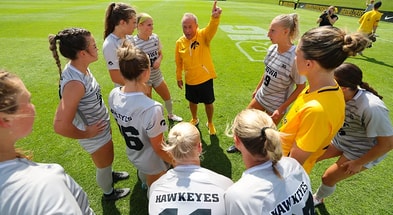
(298, 154)
(72, 93)
(332, 20)
(383, 146)
(291, 98)
(110, 56)
(116, 76)
(156, 143)
(157, 62)
(258, 86)
(319, 20)
(375, 26)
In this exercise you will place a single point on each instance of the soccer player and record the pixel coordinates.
(369, 6)
(140, 119)
(149, 42)
(369, 22)
(27, 187)
(192, 55)
(82, 113)
(120, 23)
(271, 184)
(188, 188)
(366, 136)
(318, 112)
(328, 17)
(280, 83)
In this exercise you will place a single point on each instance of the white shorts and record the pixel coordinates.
(93, 144)
(155, 78)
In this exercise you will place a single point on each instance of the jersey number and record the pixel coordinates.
(130, 135)
(267, 80)
(173, 211)
(309, 207)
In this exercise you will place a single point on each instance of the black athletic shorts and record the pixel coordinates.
(201, 93)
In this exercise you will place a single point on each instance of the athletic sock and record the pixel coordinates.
(104, 179)
(324, 191)
(168, 106)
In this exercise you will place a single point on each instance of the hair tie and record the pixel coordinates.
(263, 132)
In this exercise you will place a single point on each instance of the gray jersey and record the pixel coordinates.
(260, 191)
(32, 188)
(189, 189)
(139, 118)
(279, 78)
(91, 108)
(366, 117)
(151, 47)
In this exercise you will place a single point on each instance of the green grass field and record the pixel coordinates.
(238, 50)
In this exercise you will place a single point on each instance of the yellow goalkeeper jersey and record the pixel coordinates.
(312, 122)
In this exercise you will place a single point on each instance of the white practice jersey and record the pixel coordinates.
(260, 192)
(189, 189)
(279, 78)
(111, 44)
(139, 118)
(32, 188)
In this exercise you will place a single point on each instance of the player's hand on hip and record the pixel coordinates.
(95, 129)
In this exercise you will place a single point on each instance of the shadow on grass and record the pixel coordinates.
(109, 207)
(138, 200)
(214, 157)
(372, 60)
(321, 210)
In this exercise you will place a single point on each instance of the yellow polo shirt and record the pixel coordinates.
(193, 56)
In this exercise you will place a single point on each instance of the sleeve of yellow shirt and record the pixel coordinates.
(179, 62)
(210, 29)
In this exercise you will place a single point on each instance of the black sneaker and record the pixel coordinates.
(118, 176)
(117, 194)
(232, 149)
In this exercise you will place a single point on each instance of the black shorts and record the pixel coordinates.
(201, 93)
